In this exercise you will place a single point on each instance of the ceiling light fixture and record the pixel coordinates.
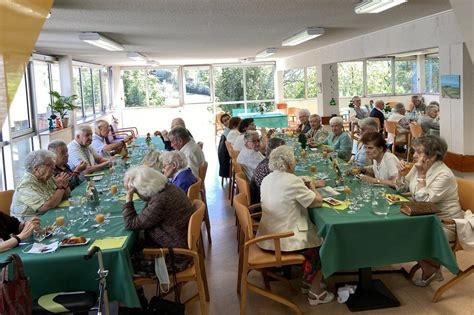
(266, 53)
(136, 56)
(376, 6)
(101, 41)
(304, 36)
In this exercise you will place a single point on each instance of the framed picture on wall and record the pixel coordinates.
(451, 86)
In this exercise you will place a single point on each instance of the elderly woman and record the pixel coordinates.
(59, 147)
(285, 199)
(303, 117)
(234, 132)
(175, 168)
(432, 181)
(368, 124)
(38, 190)
(403, 122)
(245, 124)
(164, 218)
(429, 122)
(250, 156)
(384, 169)
(152, 159)
(12, 231)
(338, 140)
(317, 133)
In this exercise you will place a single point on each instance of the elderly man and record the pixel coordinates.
(181, 140)
(429, 122)
(417, 104)
(303, 116)
(317, 133)
(377, 112)
(366, 125)
(81, 151)
(59, 147)
(99, 142)
(357, 112)
(250, 155)
(403, 122)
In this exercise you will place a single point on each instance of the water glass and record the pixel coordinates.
(39, 234)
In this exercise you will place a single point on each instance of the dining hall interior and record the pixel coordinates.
(151, 90)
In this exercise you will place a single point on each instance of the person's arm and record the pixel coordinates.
(54, 200)
(318, 199)
(113, 147)
(16, 239)
(150, 217)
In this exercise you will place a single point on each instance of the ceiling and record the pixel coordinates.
(210, 31)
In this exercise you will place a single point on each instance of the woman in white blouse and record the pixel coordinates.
(430, 180)
(384, 169)
(285, 199)
(234, 132)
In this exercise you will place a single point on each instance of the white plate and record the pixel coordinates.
(72, 245)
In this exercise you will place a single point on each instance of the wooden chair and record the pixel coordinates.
(391, 127)
(325, 120)
(202, 176)
(251, 257)
(197, 271)
(194, 191)
(236, 168)
(292, 112)
(415, 132)
(6, 198)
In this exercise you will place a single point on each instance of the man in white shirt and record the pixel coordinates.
(403, 122)
(357, 112)
(250, 155)
(100, 145)
(180, 140)
(80, 150)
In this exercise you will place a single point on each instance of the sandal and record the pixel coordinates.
(315, 299)
(437, 275)
(306, 286)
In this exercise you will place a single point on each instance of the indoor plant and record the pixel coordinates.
(61, 105)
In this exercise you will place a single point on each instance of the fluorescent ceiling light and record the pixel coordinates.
(100, 41)
(266, 53)
(136, 56)
(305, 35)
(376, 6)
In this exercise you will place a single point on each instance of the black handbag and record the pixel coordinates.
(159, 305)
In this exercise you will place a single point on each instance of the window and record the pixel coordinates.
(293, 84)
(19, 112)
(432, 73)
(20, 149)
(76, 77)
(163, 86)
(105, 90)
(97, 91)
(229, 84)
(260, 83)
(55, 78)
(87, 98)
(350, 78)
(3, 185)
(197, 83)
(311, 82)
(134, 86)
(379, 76)
(406, 78)
(42, 89)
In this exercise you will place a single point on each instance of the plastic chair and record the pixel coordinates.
(6, 198)
(251, 257)
(391, 127)
(197, 271)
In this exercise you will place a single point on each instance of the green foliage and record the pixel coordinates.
(312, 86)
(293, 83)
(350, 78)
(432, 75)
(229, 84)
(62, 104)
(405, 77)
(134, 88)
(260, 85)
(379, 77)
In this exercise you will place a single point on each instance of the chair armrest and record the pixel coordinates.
(256, 214)
(160, 251)
(255, 206)
(274, 236)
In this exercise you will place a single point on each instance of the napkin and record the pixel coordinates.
(342, 206)
(135, 197)
(95, 174)
(109, 242)
(344, 292)
(39, 248)
(64, 204)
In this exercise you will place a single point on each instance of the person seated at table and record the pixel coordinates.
(430, 180)
(417, 105)
(338, 140)
(81, 151)
(378, 112)
(164, 219)
(403, 123)
(181, 141)
(429, 121)
(152, 159)
(368, 124)
(39, 190)
(234, 132)
(250, 155)
(285, 199)
(99, 142)
(245, 124)
(262, 170)
(175, 168)
(316, 134)
(384, 169)
(357, 113)
(176, 122)
(12, 231)
(59, 147)
(224, 119)
(303, 117)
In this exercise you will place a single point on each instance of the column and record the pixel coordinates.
(328, 89)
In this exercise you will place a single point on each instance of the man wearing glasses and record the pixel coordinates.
(250, 155)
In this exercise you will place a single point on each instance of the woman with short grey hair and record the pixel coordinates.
(429, 121)
(175, 168)
(38, 190)
(303, 116)
(152, 159)
(338, 140)
(317, 134)
(430, 180)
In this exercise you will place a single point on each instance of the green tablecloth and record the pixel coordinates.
(268, 120)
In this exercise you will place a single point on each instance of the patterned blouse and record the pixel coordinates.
(261, 171)
(318, 135)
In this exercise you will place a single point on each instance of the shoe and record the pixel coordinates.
(437, 275)
(305, 287)
(315, 299)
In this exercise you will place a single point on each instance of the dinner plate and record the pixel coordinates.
(332, 201)
(392, 202)
(78, 244)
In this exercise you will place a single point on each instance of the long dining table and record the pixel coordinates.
(65, 269)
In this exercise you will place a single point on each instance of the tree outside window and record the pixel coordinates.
(432, 74)
(293, 84)
(134, 88)
(379, 76)
(350, 78)
(405, 76)
(311, 82)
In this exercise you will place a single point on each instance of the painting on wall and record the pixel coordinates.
(451, 86)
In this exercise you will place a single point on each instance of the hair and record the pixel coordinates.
(336, 120)
(224, 115)
(249, 135)
(272, 144)
(177, 122)
(101, 122)
(432, 146)
(82, 129)
(376, 138)
(180, 133)
(234, 122)
(38, 158)
(174, 157)
(378, 102)
(281, 158)
(355, 98)
(244, 124)
(303, 112)
(434, 103)
(431, 107)
(398, 108)
(369, 122)
(56, 144)
(152, 159)
(315, 116)
(146, 180)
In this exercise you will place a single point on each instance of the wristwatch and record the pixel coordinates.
(378, 181)
(17, 239)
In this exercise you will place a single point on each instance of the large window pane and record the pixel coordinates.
(87, 91)
(257, 106)
(76, 77)
(350, 78)
(163, 87)
(55, 78)
(105, 89)
(293, 84)
(19, 112)
(42, 88)
(197, 84)
(2, 172)
(260, 82)
(311, 82)
(432, 74)
(134, 87)
(405, 76)
(228, 84)
(20, 149)
(97, 90)
(232, 109)
(379, 76)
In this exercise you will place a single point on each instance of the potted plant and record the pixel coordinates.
(62, 105)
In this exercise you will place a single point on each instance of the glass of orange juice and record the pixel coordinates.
(313, 168)
(100, 219)
(60, 221)
(113, 189)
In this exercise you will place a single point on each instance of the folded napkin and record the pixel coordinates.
(64, 204)
(135, 197)
(344, 292)
(109, 242)
(95, 174)
(342, 206)
(39, 248)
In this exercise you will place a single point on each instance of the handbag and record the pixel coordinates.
(414, 208)
(15, 294)
(159, 305)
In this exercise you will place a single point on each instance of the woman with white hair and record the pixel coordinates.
(303, 116)
(152, 159)
(316, 133)
(429, 122)
(338, 140)
(164, 218)
(175, 168)
(38, 190)
(403, 122)
(285, 199)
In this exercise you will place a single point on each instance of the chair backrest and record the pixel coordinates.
(243, 185)
(243, 215)
(392, 104)
(194, 225)
(465, 192)
(325, 120)
(194, 190)
(6, 201)
(391, 127)
(203, 171)
(415, 130)
(237, 167)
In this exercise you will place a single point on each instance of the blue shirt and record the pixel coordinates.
(341, 144)
(183, 179)
(359, 155)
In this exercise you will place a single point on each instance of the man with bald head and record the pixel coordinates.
(378, 112)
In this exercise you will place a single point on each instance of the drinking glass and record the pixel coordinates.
(100, 219)
(60, 220)
(39, 234)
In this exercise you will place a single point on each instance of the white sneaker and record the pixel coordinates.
(315, 299)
